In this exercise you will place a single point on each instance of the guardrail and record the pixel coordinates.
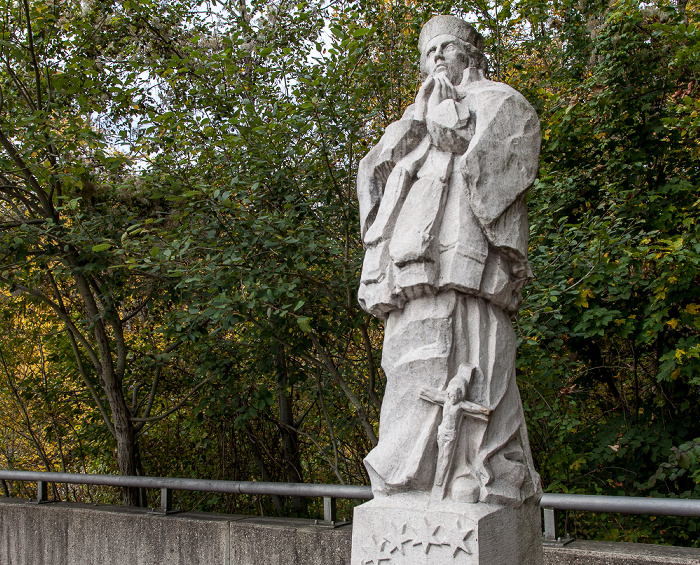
(552, 504)
(167, 485)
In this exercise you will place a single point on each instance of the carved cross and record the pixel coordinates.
(453, 409)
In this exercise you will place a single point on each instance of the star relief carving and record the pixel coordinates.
(396, 538)
(380, 549)
(458, 537)
(428, 536)
(370, 548)
(376, 561)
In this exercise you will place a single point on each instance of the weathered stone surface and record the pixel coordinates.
(150, 538)
(445, 229)
(613, 553)
(29, 536)
(444, 224)
(407, 530)
(82, 534)
(271, 541)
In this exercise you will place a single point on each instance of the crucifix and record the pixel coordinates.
(454, 407)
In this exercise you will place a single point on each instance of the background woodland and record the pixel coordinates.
(180, 250)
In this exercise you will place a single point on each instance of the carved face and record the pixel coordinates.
(445, 54)
(454, 394)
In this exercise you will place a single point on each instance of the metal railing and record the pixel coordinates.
(329, 493)
(552, 504)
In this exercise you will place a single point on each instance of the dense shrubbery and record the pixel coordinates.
(180, 251)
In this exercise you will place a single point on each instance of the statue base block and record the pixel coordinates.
(411, 529)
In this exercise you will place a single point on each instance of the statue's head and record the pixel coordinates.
(450, 45)
(455, 391)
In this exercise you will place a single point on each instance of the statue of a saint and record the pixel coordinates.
(444, 224)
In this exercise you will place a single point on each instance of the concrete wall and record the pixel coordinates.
(82, 534)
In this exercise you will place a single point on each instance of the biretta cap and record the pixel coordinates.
(452, 26)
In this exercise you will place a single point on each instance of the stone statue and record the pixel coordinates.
(444, 223)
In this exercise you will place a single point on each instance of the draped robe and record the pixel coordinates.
(444, 224)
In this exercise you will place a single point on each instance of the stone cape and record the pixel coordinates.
(433, 220)
(423, 347)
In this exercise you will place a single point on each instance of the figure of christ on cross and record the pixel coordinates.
(454, 407)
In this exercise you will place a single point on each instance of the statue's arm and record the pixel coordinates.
(431, 395)
(475, 409)
(399, 139)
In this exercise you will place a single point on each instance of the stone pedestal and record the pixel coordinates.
(409, 530)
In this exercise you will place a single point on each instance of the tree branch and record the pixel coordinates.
(9, 225)
(329, 424)
(25, 414)
(26, 173)
(63, 316)
(154, 385)
(333, 370)
(79, 362)
(20, 86)
(35, 63)
(177, 406)
(328, 365)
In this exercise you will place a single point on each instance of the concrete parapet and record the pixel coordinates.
(615, 553)
(286, 541)
(83, 534)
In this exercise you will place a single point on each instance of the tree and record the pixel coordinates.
(62, 208)
(609, 327)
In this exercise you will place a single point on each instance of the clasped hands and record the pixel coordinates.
(432, 93)
(446, 123)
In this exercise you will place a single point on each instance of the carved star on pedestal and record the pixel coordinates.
(370, 547)
(396, 538)
(457, 537)
(428, 536)
(376, 561)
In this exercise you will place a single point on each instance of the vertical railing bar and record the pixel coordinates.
(550, 524)
(330, 510)
(42, 493)
(166, 500)
(5, 490)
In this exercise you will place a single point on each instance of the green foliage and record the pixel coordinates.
(609, 327)
(190, 167)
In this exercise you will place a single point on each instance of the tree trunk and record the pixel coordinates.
(111, 380)
(290, 437)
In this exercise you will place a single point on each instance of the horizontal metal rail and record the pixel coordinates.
(622, 504)
(168, 484)
(203, 485)
(552, 503)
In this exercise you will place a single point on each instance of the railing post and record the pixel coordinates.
(5, 490)
(42, 492)
(330, 510)
(551, 532)
(166, 500)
